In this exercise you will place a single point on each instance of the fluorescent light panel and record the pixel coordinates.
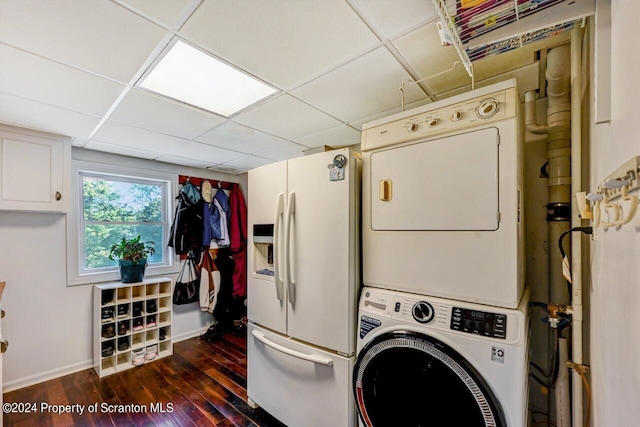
(191, 76)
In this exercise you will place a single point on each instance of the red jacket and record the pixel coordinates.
(238, 237)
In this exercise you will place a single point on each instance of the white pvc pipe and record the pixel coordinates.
(576, 238)
(558, 75)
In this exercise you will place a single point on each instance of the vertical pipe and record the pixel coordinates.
(576, 252)
(558, 74)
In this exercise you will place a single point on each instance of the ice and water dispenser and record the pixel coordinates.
(263, 249)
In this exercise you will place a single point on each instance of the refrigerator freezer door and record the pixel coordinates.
(266, 294)
(322, 236)
(300, 385)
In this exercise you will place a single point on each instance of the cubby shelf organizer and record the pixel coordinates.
(131, 320)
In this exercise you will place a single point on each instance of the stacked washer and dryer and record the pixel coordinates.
(443, 315)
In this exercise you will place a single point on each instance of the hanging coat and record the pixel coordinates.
(209, 282)
(187, 227)
(238, 240)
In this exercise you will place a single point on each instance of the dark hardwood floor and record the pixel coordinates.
(201, 384)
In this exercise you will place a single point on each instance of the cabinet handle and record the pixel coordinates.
(58, 195)
(4, 345)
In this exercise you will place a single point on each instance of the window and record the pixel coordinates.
(110, 206)
(114, 207)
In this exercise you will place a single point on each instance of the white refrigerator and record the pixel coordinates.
(304, 219)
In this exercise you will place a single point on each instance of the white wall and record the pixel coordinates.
(48, 324)
(615, 298)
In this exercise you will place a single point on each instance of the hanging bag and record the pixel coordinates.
(187, 289)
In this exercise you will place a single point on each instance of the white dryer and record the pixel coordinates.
(441, 199)
(430, 361)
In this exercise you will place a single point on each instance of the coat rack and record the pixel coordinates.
(182, 179)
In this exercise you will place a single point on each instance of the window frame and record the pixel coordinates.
(76, 273)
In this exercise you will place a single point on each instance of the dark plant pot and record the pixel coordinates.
(131, 271)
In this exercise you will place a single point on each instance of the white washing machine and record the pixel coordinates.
(426, 361)
(441, 199)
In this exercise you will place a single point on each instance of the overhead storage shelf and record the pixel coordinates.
(480, 28)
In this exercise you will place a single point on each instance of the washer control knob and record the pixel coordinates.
(412, 127)
(456, 115)
(433, 123)
(487, 108)
(422, 312)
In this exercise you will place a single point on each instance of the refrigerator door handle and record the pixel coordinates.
(291, 283)
(308, 357)
(276, 247)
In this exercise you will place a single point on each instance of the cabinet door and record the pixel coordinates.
(34, 171)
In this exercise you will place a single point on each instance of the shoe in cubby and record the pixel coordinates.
(107, 296)
(138, 324)
(123, 327)
(152, 306)
(162, 334)
(106, 314)
(109, 330)
(152, 352)
(123, 311)
(123, 344)
(137, 309)
(151, 321)
(108, 348)
(137, 356)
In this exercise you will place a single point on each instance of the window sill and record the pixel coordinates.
(114, 276)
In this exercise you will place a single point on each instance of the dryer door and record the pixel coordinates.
(408, 379)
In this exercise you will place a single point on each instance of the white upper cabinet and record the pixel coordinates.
(35, 170)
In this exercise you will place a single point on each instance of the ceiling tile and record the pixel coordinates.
(30, 114)
(288, 150)
(143, 109)
(246, 163)
(287, 117)
(203, 152)
(390, 18)
(33, 77)
(365, 86)
(239, 138)
(119, 149)
(437, 64)
(176, 160)
(284, 42)
(142, 139)
(97, 36)
(334, 137)
(170, 14)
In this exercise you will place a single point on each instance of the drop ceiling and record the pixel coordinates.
(70, 67)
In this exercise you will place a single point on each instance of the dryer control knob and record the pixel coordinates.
(422, 312)
(456, 116)
(487, 108)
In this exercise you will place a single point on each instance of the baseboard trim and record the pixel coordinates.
(76, 367)
(46, 376)
(189, 335)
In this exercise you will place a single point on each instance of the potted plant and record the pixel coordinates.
(132, 255)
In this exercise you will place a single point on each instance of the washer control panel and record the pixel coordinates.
(426, 122)
(378, 306)
(478, 322)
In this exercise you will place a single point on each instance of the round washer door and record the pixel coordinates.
(407, 379)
